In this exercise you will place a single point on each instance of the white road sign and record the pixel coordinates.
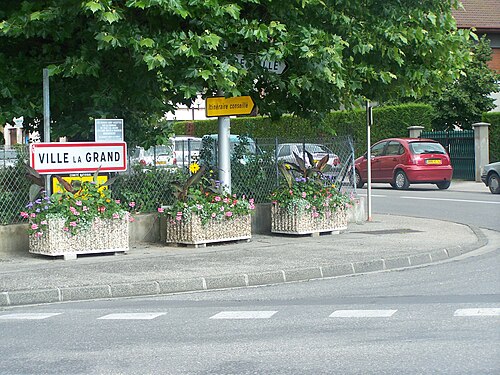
(78, 157)
(277, 67)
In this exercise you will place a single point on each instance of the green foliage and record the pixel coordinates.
(493, 118)
(389, 121)
(148, 189)
(204, 198)
(132, 59)
(78, 209)
(463, 101)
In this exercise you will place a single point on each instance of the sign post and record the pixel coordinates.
(369, 122)
(222, 108)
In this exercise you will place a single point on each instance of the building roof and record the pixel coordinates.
(481, 14)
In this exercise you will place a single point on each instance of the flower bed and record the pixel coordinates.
(296, 221)
(101, 236)
(194, 232)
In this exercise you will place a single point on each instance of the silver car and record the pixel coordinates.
(491, 177)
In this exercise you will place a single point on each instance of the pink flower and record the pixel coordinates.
(179, 213)
(72, 224)
(38, 234)
(291, 192)
(117, 201)
(226, 200)
(85, 209)
(132, 204)
(34, 226)
(131, 219)
(251, 200)
(304, 194)
(252, 207)
(101, 209)
(199, 206)
(78, 203)
(315, 214)
(214, 214)
(217, 199)
(161, 210)
(116, 216)
(178, 218)
(222, 208)
(33, 215)
(24, 215)
(66, 229)
(229, 214)
(43, 222)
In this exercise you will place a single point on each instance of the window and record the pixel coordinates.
(394, 148)
(284, 151)
(378, 149)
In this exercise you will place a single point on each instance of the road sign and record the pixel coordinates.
(108, 130)
(277, 67)
(78, 157)
(220, 106)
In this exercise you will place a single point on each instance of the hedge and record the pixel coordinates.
(493, 118)
(389, 121)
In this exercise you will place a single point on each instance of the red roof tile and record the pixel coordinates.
(481, 14)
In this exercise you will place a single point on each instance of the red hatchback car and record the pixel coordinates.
(405, 161)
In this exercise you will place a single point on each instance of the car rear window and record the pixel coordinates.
(419, 148)
(314, 148)
(185, 145)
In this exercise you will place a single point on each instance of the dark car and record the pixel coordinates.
(491, 177)
(404, 161)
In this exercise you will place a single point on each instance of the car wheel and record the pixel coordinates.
(443, 185)
(401, 181)
(359, 181)
(494, 183)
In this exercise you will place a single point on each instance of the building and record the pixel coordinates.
(484, 17)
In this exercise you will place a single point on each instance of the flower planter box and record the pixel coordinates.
(193, 232)
(103, 236)
(295, 222)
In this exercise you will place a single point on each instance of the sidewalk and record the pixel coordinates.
(388, 242)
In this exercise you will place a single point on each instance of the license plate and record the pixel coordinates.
(434, 161)
(161, 162)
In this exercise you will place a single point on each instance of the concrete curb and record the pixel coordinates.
(217, 282)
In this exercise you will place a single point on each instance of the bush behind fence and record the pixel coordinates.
(254, 173)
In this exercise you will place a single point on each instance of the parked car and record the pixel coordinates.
(186, 149)
(285, 153)
(210, 147)
(158, 156)
(8, 157)
(405, 161)
(491, 177)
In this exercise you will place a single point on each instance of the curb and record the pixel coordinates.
(172, 286)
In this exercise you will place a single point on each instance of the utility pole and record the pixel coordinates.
(46, 121)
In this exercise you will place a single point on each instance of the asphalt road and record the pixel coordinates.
(443, 318)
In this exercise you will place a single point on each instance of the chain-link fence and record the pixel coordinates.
(14, 186)
(148, 180)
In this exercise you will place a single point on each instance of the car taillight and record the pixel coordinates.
(142, 162)
(174, 162)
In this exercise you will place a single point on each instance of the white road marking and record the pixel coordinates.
(452, 200)
(244, 315)
(131, 316)
(484, 311)
(363, 313)
(28, 316)
(374, 195)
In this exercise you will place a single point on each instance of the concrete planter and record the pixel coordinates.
(193, 232)
(295, 222)
(104, 236)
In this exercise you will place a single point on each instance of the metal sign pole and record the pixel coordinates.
(224, 159)
(369, 121)
(46, 121)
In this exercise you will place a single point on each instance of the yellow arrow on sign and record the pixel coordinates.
(220, 106)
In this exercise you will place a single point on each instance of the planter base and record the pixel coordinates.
(302, 223)
(194, 233)
(104, 236)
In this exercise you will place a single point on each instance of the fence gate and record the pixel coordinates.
(460, 146)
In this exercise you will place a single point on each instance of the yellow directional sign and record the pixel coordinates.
(220, 106)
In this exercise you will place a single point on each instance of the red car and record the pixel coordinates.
(405, 161)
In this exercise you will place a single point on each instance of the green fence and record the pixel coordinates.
(460, 146)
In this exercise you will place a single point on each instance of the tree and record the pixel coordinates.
(463, 101)
(132, 59)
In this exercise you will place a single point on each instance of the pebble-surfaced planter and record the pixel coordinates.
(193, 232)
(294, 221)
(102, 236)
